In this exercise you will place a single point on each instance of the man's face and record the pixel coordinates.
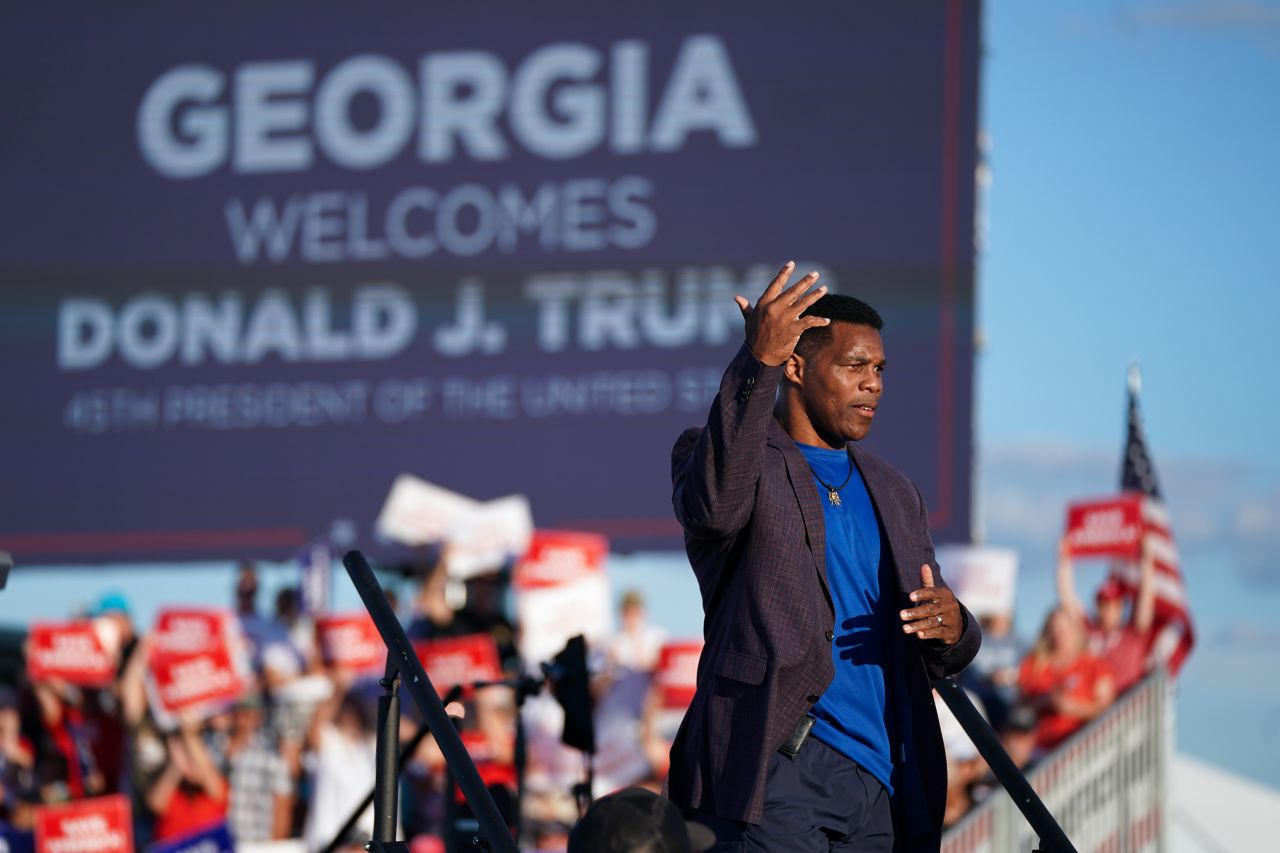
(841, 383)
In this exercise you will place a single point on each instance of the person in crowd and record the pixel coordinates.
(1122, 640)
(494, 717)
(636, 644)
(658, 728)
(144, 742)
(65, 765)
(190, 793)
(246, 594)
(554, 769)
(993, 674)
(112, 613)
(484, 612)
(17, 765)
(1018, 737)
(489, 736)
(295, 694)
(635, 820)
(425, 792)
(621, 689)
(1065, 684)
(260, 803)
(300, 629)
(548, 834)
(965, 766)
(341, 742)
(824, 605)
(104, 717)
(279, 665)
(447, 608)
(275, 659)
(432, 615)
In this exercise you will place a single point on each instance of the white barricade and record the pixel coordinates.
(1106, 785)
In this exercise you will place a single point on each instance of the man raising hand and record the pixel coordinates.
(813, 725)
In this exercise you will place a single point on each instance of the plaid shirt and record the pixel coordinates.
(256, 775)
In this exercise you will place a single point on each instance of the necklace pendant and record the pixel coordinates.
(834, 497)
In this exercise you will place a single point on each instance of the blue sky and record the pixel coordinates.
(1133, 211)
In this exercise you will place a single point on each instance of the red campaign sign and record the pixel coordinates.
(181, 632)
(676, 674)
(193, 682)
(99, 825)
(1108, 527)
(350, 641)
(459, 660)
(560, 557)
(70, 651)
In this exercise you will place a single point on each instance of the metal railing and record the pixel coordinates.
(1106, 785)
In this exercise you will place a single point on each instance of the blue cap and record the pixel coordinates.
(111, 602)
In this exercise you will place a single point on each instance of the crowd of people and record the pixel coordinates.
(1035, 698)
(293, 757)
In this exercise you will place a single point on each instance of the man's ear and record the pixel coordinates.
(793, 368)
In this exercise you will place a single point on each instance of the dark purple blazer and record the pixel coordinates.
(754, 532)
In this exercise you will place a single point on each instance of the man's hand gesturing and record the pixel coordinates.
(936, 615)
(775, 325)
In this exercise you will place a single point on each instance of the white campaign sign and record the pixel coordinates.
(480, 536)
(562, 591)
(984, 577)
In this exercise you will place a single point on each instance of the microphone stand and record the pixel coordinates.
(406, 752)
(522, 687)
(404, 669)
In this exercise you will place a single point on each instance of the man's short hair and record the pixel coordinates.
(838, 308)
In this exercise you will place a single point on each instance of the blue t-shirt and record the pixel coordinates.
(854, 716)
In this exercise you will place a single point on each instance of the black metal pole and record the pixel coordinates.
(387, 777)
(400, 653)
(406, 752)
(1053, 839)
(522, 688)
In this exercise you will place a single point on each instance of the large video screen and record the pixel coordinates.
(260, 259)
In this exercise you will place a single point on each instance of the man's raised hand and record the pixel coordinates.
(774, 326)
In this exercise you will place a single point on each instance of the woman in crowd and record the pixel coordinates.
(1061, 681)
(190, 793)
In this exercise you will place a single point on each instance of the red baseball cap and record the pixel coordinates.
(1110, 590)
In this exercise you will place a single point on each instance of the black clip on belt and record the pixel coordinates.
(791, 746)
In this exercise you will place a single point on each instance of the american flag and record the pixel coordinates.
(1172, 632)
